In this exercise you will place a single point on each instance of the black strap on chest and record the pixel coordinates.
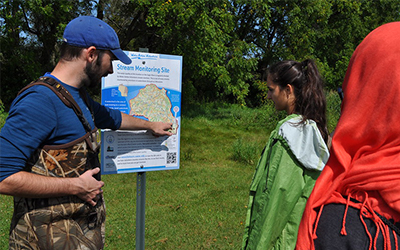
(65, 97)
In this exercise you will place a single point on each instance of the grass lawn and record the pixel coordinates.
(200, 206)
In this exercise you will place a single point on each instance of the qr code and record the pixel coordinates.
(171, 158)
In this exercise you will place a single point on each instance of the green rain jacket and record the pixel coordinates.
(284, 178)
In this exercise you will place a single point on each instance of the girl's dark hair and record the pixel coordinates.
(310, 101)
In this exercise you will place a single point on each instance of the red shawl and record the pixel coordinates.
(365, 154)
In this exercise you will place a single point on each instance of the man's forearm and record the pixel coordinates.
(133, 123)
(24, 184)
(29, 185)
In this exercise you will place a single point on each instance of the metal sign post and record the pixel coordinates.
(140, 209)
(140, 201)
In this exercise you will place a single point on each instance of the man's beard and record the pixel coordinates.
(93, 74)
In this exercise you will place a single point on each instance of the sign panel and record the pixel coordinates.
(149, 88)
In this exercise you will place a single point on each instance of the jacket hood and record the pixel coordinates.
(306, 142)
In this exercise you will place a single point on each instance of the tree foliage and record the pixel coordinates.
(30, 37)
(226, 45)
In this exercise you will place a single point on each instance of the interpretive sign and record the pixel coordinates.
(149, 88)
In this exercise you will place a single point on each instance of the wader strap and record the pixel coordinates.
(65, 97)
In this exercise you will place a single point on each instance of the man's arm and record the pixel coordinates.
(133, 123)
(25, 184)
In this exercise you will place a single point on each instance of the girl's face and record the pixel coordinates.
(283, 98)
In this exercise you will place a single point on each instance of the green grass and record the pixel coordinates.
(200, 206)
(203, 204)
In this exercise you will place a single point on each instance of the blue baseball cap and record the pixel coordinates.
(86, 31)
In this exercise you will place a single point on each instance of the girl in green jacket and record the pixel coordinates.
(292, 160)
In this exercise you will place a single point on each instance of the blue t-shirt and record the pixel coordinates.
(38, 117)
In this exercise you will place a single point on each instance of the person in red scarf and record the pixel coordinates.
(355, 203)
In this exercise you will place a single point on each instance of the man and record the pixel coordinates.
(51, 133)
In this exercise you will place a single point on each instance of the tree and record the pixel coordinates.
(30, 37)
(327, 31)
(215, 65)
(226, 45)
(344, 28)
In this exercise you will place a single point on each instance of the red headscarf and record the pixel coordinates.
(365, 154)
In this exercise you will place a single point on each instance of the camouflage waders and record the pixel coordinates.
(66, 222)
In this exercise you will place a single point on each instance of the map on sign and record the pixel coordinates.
(150, 89)
(153, 104)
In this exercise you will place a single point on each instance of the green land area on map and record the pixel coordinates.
(154, 104)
